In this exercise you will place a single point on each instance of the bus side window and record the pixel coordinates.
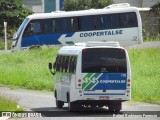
(86, 23)
(66, 63)
(62, 63)
(123, 20)
(27, 30)
(132, 22)
(98, 22)
(63, 25)
(74, 64)
(58, 63)
(114, 21)
(32, 28)
(70, 64)
(74, 23)
(53, 26)
(47, 26)
(36, 27)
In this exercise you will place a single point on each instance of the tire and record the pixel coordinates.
(59, 104)
(115, 106)
(73, 106)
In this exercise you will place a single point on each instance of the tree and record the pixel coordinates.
(156, 9)
(100, 3)
(13, 12)
(70, 5)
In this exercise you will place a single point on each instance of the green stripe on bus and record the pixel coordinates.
(93, 82)
(86, 80)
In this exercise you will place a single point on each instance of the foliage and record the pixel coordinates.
(156, 7)
(151, 38)
(71, 5)
(2, 44)
(13, 12)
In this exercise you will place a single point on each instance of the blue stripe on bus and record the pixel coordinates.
(111, 81)
(43, 39)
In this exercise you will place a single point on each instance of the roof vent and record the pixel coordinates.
(121, 5)
(93, 43)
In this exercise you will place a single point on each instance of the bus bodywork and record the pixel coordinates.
(118, 24)
(92, 76)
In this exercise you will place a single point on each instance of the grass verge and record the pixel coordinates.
(2, 44)
(8, 105)
(152, 38)
(30, 70)
(145, 65)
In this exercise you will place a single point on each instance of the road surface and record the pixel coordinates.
(44, 103)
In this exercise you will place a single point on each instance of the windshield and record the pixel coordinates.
(102, 60)
(16, 35)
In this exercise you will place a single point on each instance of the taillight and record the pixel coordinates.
(79, 83)
(128, 83)
(79, 80)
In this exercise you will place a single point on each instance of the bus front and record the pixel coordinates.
(16, 41)
(105, 76)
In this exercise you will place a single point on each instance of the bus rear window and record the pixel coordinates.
(102, 60)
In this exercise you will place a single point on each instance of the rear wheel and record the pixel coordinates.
(59, 104)
(73, 106)
(115, 106)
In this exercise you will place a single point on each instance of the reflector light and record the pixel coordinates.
(79, 80)
(79, 85)
(129, 80)
(80, 91)
(128, 85)
(128, 91)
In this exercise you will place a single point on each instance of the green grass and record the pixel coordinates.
(30, 70)
(2, 44)
(145, 65)
(8, 105)
(151, 38)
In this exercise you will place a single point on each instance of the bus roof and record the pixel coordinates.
(76, 49)
(81, 12)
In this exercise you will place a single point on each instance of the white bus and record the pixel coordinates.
(122, 24)
(94, 74)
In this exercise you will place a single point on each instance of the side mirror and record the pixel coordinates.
(50, 66)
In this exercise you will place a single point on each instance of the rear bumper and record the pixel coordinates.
(102, 97)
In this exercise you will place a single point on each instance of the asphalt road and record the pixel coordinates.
(44, 103)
